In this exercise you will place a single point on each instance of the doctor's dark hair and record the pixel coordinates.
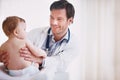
(10, 23)
(63, 4)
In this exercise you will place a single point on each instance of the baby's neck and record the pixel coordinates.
(13, 37)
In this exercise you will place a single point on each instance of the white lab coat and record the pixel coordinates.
(59, 63)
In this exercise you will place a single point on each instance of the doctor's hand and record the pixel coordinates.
(4, 57)
(28, 56)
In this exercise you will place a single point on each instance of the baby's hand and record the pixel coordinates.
(42, 53)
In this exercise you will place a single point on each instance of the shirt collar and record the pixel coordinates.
(64, 38)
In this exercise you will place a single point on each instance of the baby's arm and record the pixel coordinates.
(35, 51)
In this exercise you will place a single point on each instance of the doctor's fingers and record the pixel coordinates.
(29, 59)
(34, 59)
(24, 51)
(6, 63)
(5, 59)
(26, 55)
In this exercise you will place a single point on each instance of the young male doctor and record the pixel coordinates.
(57, 40)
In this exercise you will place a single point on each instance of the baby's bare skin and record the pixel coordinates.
(12, 46)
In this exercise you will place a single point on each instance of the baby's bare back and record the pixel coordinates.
(15, 61)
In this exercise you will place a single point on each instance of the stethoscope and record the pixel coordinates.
(48, 41)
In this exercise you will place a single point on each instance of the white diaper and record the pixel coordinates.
(28, 71)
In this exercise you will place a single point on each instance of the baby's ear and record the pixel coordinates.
(16, 32)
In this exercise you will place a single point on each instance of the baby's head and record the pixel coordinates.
(14, 25)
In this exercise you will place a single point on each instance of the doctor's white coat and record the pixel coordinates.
(57, 63)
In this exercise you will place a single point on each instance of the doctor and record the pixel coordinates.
(57, 40)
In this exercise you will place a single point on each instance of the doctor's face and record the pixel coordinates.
(59, 22)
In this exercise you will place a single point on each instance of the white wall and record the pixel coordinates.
(35, 12)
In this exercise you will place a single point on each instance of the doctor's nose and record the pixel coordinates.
(54, 22)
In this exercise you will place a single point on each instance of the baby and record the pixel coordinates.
(14, 27)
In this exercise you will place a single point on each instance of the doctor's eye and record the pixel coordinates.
(60, 19)
(51, 18)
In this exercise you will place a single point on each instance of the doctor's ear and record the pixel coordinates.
(70, 20)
